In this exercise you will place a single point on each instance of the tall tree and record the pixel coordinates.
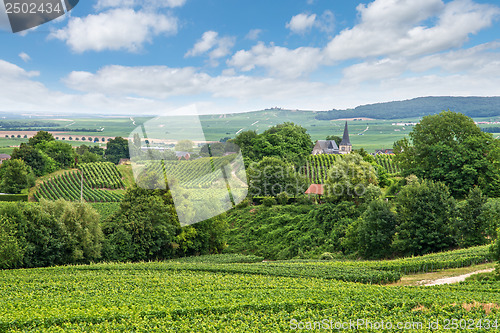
(15, 176)
(116, 149)
(425, 215)
(349, 178)
(39, 137)
(451, 148)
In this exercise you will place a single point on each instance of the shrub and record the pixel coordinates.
(269, 201)
(282, 198)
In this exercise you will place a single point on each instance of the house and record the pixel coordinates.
(4, 157)
(330, 146)
(325, 147)
(387, 151)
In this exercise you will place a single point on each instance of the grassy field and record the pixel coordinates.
(369, 134)
(204, 296)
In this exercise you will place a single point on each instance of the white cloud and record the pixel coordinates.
(116, 29)
(154, 81)
(103, 4)
(279, 61)
(210, 41)
(301, 23)
(24, 56)
(253, 34)
(394, 27)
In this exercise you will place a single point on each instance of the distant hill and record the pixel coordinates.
(419, 107)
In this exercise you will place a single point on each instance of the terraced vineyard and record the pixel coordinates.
(96, 176)
(387, 161)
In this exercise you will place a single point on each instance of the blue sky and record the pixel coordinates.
(155, 56)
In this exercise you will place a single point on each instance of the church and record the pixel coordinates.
(330, 146)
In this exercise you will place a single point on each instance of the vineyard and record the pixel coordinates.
(95, 177)
(102, 175)
(199, 173)
(387, 161)
(210, 296)
(317, 166)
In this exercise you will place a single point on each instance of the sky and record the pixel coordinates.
(156, 56)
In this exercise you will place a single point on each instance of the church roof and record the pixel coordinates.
(345, 137)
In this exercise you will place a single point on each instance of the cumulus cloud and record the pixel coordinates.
(301, 23)
(116, 29)
(103, 4)
(210, 41)
(279, 61)
(396, 27)
(24, 56)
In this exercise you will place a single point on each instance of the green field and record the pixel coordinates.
(222, 295)
(368, 134)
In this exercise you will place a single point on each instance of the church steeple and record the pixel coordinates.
(345, 146)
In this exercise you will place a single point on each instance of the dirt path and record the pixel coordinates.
(453, 279)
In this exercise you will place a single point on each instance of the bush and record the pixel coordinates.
(269, 201)
(11, 252)
(326, 256)
(282, 198)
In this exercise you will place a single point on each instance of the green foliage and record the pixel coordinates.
(39, 161)
(269, 201)
(372, 234)
(272, 176)
(471, 223)
(116, 149)
(51, 233)
(451, 148)
(62, 153)
(282, 198)
(284, 232)
(15, 176)
(143, 229)
(490, 217)
(227, 258)
(285, 141)
(425, 212)
(40, 137)
(184, 145)
(349, 178)
(11, 251)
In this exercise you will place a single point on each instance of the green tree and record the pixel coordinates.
(184, 145)
(11, 251)
(335, 138)
(62, 153)
(117, 149)
(39, 161)
(272, 176)
(375, 231)
(144, 228)
(451, 148)
(349, 178)
(471, 225)
(15, 176)
(425, 216)
(40, 137)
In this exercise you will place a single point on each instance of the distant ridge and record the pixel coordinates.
(419, 107)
